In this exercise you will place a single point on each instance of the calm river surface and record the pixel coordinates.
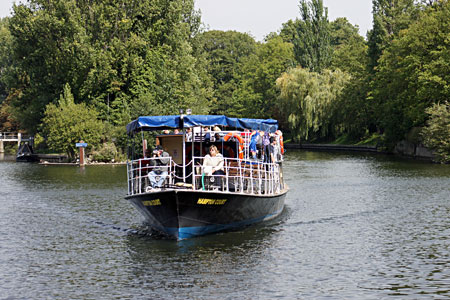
(355, 226)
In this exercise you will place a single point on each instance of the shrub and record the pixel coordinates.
(436, 134)
(66, 123)
(106, 153)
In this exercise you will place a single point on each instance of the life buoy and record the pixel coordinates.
(241, 142)
(281, 144)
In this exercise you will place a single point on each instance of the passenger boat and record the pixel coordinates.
(193, 202)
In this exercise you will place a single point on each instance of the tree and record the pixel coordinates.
(7, 66)
(66, 123)
(349, 48)
(436, 133)
(106, 51)
(310, 100)
(354, 114)
(389, 18)
(257, 94)
(312, 41)
(414, 73)
(225, 52)
(288, 30)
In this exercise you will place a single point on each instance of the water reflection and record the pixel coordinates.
(355, 226)
(210, 263)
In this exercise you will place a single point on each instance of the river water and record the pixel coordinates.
(355, 226)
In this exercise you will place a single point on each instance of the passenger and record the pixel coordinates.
(274, 150)
(259, 145)
(189, 135)
(217, 137)
(213, 162)
(266, 148)
(176, 131)
(252, 146)
(159, 172)
(206, 134)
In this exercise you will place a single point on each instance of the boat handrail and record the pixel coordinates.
(240, 176)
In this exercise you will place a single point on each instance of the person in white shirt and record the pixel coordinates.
(213, 162)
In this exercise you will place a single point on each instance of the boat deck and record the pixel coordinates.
(240, 176)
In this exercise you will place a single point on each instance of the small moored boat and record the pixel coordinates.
(25, 153)
(192, 200)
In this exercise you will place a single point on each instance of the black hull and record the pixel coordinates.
(183, 214)
(27, 158)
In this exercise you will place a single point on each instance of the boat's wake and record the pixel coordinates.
(143, 231)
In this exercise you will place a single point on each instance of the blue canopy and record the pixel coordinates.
(167, 122)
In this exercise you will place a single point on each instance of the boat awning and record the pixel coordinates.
(151, 123)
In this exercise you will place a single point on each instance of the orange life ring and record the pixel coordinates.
(241, 142)
(282, 144)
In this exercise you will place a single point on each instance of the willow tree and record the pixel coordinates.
(310, 100)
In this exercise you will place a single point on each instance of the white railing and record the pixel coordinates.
(240, 176)
(14, 137)
(138, 174)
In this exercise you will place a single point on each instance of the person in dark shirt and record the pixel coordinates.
(159, 172)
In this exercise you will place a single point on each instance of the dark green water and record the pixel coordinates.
(355, 226)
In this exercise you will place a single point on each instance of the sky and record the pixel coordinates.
(261, 17)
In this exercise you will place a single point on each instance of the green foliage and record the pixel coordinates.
(6, 63)
(107, 152)
(310, 100)
(312, 40)
(225, 52)
(349, 48)
(123, 59)
(66, 123)
(114, 55)
(389, 18)
(258, 94)
(7, 69)
(288, 30)
(413, 73)
(436, 134)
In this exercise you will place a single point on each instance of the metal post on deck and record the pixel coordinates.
(19, 139)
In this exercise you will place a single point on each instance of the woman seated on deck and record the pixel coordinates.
(213, 164)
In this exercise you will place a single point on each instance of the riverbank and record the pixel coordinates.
(403, 148)
(332, 147)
